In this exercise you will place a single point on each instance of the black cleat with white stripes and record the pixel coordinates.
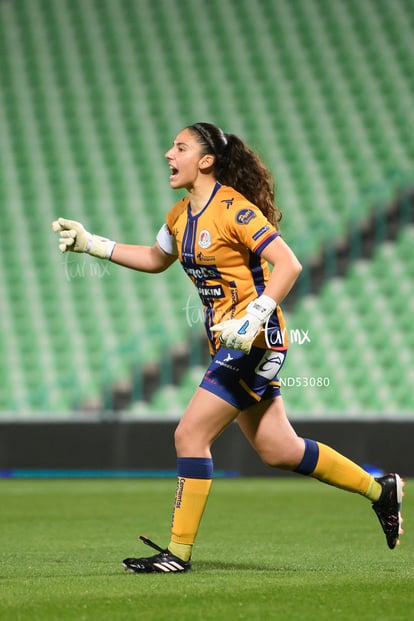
(162, 563)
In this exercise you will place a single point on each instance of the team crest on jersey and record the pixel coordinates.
(244, 216)
(204, 240)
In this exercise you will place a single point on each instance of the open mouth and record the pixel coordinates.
(174, 171)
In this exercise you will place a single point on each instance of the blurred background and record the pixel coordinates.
(92, 94)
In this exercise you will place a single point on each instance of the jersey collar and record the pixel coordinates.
(214, 192)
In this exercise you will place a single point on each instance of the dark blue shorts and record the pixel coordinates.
(244, 379)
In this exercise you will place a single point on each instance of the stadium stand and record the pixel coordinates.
(91, 93)
(351, 347)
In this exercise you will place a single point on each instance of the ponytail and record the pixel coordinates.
(239, 167)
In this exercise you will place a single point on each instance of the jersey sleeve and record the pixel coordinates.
(166, 240)
(166, 237)
(246, 224)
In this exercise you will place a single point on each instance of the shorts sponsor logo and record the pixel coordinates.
(222, 363)
(270, 364)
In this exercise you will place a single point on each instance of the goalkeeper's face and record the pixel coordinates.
(187, 162)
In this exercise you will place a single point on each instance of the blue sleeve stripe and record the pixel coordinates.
(259, 249)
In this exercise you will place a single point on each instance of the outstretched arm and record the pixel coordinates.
(157, 258)
(142, 258)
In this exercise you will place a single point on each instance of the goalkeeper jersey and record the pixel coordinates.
(220, 250)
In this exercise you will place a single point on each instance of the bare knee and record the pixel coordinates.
(191, 442)
(286, 458)
(181, 439)
(278, 461)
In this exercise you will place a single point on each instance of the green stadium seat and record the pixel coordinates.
(89, 102)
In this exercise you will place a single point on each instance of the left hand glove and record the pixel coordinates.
(240, 333)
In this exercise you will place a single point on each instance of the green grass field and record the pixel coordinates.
(286, 549)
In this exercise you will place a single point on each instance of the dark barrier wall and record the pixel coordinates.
(150, 446)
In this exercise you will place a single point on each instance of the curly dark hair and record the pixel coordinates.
(238, 166)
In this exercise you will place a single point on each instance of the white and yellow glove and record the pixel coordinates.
(240, 333)
(74, 237)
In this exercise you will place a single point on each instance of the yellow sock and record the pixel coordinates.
(374, 490)
(337, 470)
(182, 550)
(190, 501)
(193, 488)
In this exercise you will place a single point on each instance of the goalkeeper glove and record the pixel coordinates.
(74, 237)
(240, 333)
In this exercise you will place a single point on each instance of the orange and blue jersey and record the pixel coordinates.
(220, 250)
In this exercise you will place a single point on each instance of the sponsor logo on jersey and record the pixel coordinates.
(206, 293)
(206, 258)
(244, 216)
(260, 232)
(201, 272)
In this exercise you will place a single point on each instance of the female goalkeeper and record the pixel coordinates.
(225, 233)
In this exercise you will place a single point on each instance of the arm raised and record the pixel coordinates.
(157, 258)
(142, 258)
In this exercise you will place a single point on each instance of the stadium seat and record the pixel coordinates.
(91, 94)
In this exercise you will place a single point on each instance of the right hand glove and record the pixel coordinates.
(240, 333)
(74, 237)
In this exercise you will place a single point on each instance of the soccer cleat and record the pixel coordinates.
(388, 507)
(161, 563)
